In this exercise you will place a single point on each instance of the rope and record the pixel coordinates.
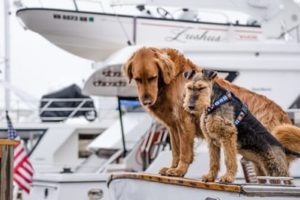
(123, 28)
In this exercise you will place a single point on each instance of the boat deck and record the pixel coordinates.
(177, 181)
(238, 187)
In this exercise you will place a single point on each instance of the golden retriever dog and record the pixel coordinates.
(160, 84)
(158, 74)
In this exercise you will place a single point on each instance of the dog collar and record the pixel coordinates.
(222, 100)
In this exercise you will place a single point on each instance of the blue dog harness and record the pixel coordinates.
(224, 99)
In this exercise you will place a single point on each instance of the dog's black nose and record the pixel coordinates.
(147, 100)
(146, 96)
(191, 107)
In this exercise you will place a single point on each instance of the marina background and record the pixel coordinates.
(37, 66)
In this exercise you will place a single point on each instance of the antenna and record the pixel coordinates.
(6, 53)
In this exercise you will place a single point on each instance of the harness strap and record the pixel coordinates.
(241, 115)
(224, 99)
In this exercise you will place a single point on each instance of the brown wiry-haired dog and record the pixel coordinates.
(227, 123)
(158, 75)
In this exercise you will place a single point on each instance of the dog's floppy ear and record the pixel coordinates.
(209, 74)
(127, 68)
(188, 75)
(165, 66)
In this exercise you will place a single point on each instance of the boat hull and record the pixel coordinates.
(94, 36)
(84, 34)
(68, 186)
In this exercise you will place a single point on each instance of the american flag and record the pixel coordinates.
(23, 170)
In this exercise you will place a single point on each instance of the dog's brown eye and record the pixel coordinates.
(190, 88)
(138, 80)
(200, 88)
(152, 78)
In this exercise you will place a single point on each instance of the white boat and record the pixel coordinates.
(55, 146)
(104, 155)
(81, 155)
(96, 35)
(242, 63)
(76, 152)
(97, 32)
(260, 48)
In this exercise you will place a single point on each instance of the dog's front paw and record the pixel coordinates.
(288, 182)
(208, 178)
(175, 172)
(276, 182)
(226, 178)
(163, 171)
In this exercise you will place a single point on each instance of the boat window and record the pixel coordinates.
(131, 105)
(84, 140)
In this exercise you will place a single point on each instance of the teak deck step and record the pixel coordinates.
(195, 183)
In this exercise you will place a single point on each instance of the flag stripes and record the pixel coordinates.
(23, 170)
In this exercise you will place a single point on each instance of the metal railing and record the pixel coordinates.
(20, 112)
(71, 107)
(293, 33)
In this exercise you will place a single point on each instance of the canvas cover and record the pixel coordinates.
(71, 92)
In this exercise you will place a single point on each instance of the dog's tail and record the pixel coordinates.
(289, 136)
(289, 153)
